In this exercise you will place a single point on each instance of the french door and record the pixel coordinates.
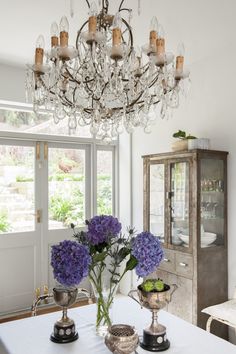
(20, 224)
(45, 186)
(66, 196)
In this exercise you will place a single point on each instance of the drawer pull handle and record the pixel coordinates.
(182, 264)
(166, 260)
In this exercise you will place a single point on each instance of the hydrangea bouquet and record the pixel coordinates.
(108, 249)
(70, 262)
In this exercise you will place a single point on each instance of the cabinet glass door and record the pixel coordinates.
(157, 200)
(212, 203)
(179, 204)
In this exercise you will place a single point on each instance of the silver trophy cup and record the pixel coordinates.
(154, 337)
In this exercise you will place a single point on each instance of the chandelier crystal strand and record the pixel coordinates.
(105, 81)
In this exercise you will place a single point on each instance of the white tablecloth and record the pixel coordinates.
(31, 335)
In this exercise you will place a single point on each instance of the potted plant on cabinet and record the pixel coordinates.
(182, 142)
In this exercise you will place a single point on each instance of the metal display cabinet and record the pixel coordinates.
(185, 205)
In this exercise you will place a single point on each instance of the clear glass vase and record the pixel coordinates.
(104, 286)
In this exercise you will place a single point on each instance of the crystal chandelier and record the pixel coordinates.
(104, 81)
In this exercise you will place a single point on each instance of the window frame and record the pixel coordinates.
(90, 144)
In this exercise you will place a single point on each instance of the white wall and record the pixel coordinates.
(12, 83)
(209, 111)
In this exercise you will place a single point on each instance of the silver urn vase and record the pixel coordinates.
(154, 337)
(121, 339)
(64, 329)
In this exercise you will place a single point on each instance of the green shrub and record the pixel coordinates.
(24, 179)
(71, 209)
(67, 210)
(60, 177)
(104, 195)
(4, 224)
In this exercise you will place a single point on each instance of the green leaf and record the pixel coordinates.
(191, 137)
(123, 252)
(179, 134)
(131, 264)
(99, 257)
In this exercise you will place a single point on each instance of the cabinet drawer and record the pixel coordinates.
(184, 265)
(168, 262)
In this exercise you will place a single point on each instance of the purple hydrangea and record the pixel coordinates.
(146, 248)
(102, 228)
(70, 262)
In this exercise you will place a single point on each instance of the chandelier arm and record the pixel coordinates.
(90, 91)
(130, 33)
(122, 1)
(72, 77)
(79, 33)
(88, 4)
(125, 9)
(68, 102)
(44, 85)
(105, 7)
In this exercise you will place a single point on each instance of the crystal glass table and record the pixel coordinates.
(31, 335)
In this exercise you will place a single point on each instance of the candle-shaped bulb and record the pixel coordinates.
(180, 49)
(153, 34)
(54, 34)
(40, 43)
(92, 23)
(64, 24)
(154, 24)
(160, 41)
(117, 21)
(54, 30)
(93, 11)
(180, 57)
(116, 30)
(160, 31)
(39, 50)
(64, 29)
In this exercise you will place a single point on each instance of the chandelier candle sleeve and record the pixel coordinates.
(116, 32)
(39, 51)
(54, 35)
(92, 25)
(180, 57)
(64, 29)
(179, 63)
(160, 41)
(160, 46)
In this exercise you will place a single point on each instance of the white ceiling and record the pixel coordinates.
(205, 26)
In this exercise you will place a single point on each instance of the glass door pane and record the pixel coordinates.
(157, 200)
(212, 203)
(179, 204)
(17, 197)
(66, 187)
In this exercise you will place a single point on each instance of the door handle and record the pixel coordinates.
(38, 216)
(182, 264)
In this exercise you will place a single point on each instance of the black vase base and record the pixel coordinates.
(59, 340)
(158, 348)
